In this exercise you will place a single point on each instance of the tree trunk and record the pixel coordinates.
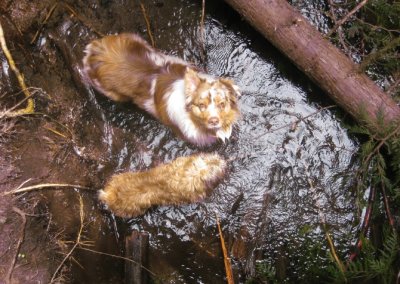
(326, 65)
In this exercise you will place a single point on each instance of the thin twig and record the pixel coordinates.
(44, 22)
(73, 12)
(374, 56)
(147, 24)
(227, 261)
(20, 241)
(295, 122)
(203, 32)
(119, 257)
(203, 11)
(340, 30)
(44, 186)
(387, 207)
(77, 242)
(30, 108)
(345, 18)
(81, 19)
(55, 132)
(57, 122)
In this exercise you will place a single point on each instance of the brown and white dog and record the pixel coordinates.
(198, 107)
(184, 180)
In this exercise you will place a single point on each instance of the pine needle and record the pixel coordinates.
(227, 261)
(333, 250)
(146, 18)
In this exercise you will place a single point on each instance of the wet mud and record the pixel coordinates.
(290, 161)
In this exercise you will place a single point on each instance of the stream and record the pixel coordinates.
(291, 161)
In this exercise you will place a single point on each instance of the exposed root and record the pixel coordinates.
(30, 108)
(20, 241)
(44, 186)
(146, 18)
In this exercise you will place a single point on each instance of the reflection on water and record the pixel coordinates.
(285, 171)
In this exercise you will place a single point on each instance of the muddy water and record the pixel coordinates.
(286, 173)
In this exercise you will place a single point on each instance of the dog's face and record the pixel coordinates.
(212, 103)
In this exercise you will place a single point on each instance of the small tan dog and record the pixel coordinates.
(198, 107)
(184, 180)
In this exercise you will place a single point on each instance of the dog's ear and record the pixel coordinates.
(192, 81)
(234, 91)
(232, 86)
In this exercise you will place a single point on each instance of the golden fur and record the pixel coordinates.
(198, 107)
(184, 180)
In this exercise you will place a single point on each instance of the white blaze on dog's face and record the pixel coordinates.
(211, 103)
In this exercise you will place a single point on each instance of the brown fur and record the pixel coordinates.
(184, 180)
(119, 68)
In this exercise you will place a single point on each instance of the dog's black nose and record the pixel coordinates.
(213, 120)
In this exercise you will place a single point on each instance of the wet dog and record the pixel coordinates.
(184, 180)
(198, 107)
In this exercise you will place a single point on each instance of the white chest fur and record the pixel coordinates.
(176, 109)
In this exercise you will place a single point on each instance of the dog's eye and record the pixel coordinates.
(221, 105)
(202, 107)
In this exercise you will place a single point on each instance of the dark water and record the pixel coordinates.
(283, 176)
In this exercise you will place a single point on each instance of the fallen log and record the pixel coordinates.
(322, 62)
